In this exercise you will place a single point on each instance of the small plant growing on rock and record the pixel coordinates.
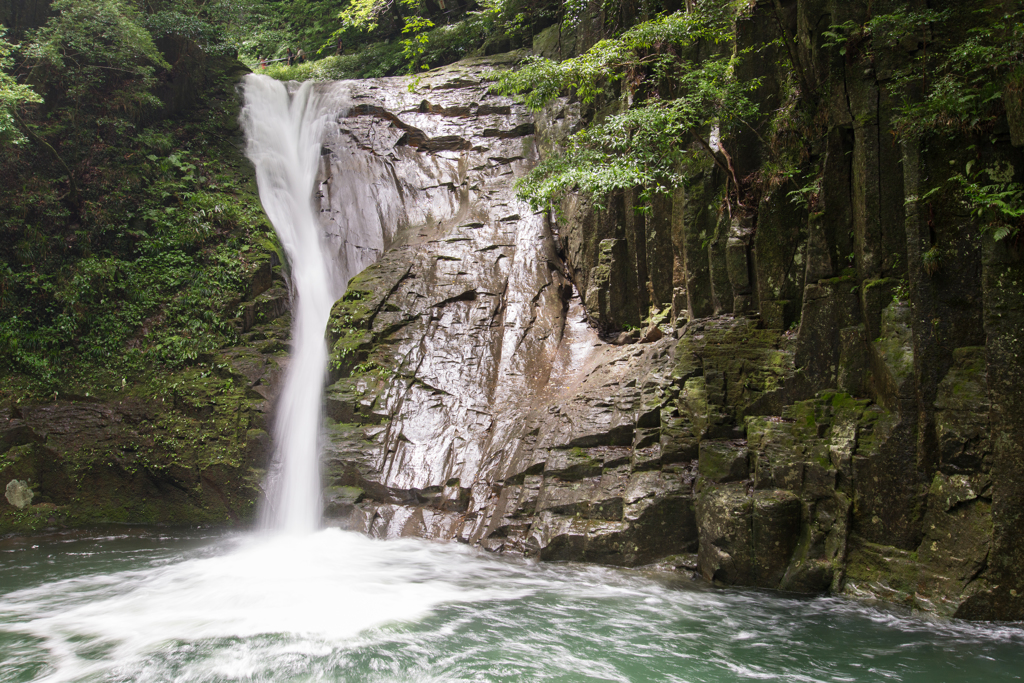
(931, 260)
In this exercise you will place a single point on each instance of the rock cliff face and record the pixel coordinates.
(801, 404)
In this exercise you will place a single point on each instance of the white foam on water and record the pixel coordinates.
(338, 606)
(324, 588)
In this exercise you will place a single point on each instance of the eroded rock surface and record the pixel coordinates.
(737, 398)
(472, 398)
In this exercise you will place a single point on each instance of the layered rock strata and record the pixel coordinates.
(801, 406)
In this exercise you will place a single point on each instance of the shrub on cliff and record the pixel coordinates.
(671, 98)
(12, 94)
(961, 76)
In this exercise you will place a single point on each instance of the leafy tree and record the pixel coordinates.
(142, 259)
(12, 94)
(264, 28)
(95, 64)
(206, 23)
(672, 96)
(367, 14)
(97, 54)
(431, 32)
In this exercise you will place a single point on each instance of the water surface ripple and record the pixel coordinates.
(337, 606)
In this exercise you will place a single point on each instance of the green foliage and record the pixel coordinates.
(373, 61)
(449, 42)
(966, 61)
(365, 14)
(882, 31)
(441, 36)
(806, 194)
(956, 86)
(217, 26)
(378, 38)
(160, 292)
(372, 368)
(415, 46)
(267, 28)
(97, 54)
(649, 145)
(963, 60)
(992, 196)
(901, 292)
(931, 260)
(595, 72)
(12, 94)
(659, 137)
(964, 84)
(142, 265)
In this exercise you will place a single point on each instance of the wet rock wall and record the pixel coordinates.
(883, 300)
(782, 396)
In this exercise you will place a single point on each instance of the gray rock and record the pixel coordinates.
(18, 493)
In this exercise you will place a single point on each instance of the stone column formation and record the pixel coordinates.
(752, 398)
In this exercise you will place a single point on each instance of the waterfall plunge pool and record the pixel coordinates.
(336, 606)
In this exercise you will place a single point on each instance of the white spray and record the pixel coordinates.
(284, 131)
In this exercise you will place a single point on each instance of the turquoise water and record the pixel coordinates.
(336, 606)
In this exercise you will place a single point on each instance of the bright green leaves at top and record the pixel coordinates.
(427, 38)
(594, 73)
(589, 75)
(673, 99)
(365, 14)
(362, 14)
(210, 24)
(653, 145)
(960, 70)
(97, 53)
(12, 94)
(415, 46)
(141, 258)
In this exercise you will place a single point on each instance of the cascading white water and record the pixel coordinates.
(284, 128)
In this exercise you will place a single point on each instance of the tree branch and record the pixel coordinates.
(703, 143)
(73, 193)
(727, 169)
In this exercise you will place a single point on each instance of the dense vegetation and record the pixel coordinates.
(672, 97)
(374, 38)
(673, 94)
(129, 226)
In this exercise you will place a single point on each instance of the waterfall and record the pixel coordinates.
(284, 126)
